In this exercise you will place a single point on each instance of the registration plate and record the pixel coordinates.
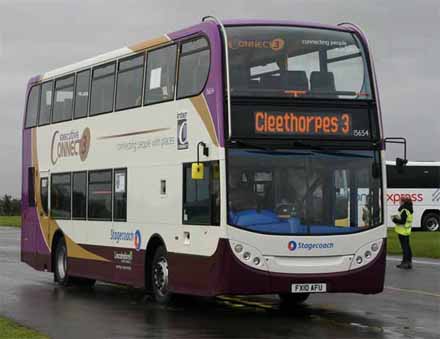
(309, 288)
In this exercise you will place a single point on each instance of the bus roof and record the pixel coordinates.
(417, 163)
(127, 50)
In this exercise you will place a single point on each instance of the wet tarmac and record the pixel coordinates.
(408, 308)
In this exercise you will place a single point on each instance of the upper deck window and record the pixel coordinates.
(129, 86)
(63, 104)
(45, 103)
(82, 94)
(161, 75)
(103, 89)
(282, 61)
(32, 107)
(193, 67)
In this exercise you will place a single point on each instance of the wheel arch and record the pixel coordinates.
(153, 243)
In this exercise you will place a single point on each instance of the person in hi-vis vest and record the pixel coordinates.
(403, 223)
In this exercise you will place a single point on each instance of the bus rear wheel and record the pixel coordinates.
(159, 276)
(61, 268)
(431, 222)
(293, 299)
(60, 263)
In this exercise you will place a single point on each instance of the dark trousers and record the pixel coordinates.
(406, 248)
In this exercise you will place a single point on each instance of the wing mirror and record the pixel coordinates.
(400, 163)
(198, 168)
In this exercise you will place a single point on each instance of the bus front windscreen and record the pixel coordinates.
(303, 191)
(284, 61)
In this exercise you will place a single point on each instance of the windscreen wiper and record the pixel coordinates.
(298, 143)
(251, 145)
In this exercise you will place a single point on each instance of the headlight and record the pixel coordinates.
(366, 254)
(246, 255)
(238, 248)
(256, 261)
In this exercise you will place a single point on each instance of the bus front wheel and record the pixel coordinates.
(159, 276)
(292, 299)
(431, 222)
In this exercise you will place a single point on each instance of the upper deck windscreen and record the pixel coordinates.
(282, 61)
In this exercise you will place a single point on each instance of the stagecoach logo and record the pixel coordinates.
(275, 44)
(293, 245)
(182, 131)
(135, 237)
(69, 145)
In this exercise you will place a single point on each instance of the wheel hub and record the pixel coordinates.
(432, 224)
(160, 275)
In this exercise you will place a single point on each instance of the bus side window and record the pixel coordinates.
(201, 198)
(161, 75)
(60, 196)
(120, 195)
(193, 67)
(103, 88)
(32, 107)
(45, 103)
(44, 194)
(82, 94)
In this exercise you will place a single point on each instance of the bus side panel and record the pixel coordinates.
(34, 248)
(128, 271)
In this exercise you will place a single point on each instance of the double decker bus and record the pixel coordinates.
(234, 157)
(420, 181)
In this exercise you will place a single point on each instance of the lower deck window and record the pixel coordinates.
(79, 200)
(120, 195)
(100, 195)
(61, 196)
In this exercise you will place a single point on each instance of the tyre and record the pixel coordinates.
(431, 222)
(159, 276)
(293, 299)
(60, 263)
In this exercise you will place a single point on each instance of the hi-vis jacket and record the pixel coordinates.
(404, 223)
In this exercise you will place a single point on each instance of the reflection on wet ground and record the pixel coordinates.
(408, 308)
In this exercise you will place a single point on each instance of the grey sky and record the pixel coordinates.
(37, 36)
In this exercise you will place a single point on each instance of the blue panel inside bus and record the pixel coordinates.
(267, 221)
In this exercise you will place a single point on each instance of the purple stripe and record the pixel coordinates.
(256, 22)
(214, 87)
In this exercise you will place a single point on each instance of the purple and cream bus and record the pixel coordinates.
(233, 157)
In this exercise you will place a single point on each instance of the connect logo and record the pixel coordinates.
(292, 245)
(137, 240)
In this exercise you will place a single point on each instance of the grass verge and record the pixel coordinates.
(14, 221)
(423, 244)
(9, 330)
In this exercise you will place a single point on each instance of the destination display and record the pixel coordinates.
(247, 122)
